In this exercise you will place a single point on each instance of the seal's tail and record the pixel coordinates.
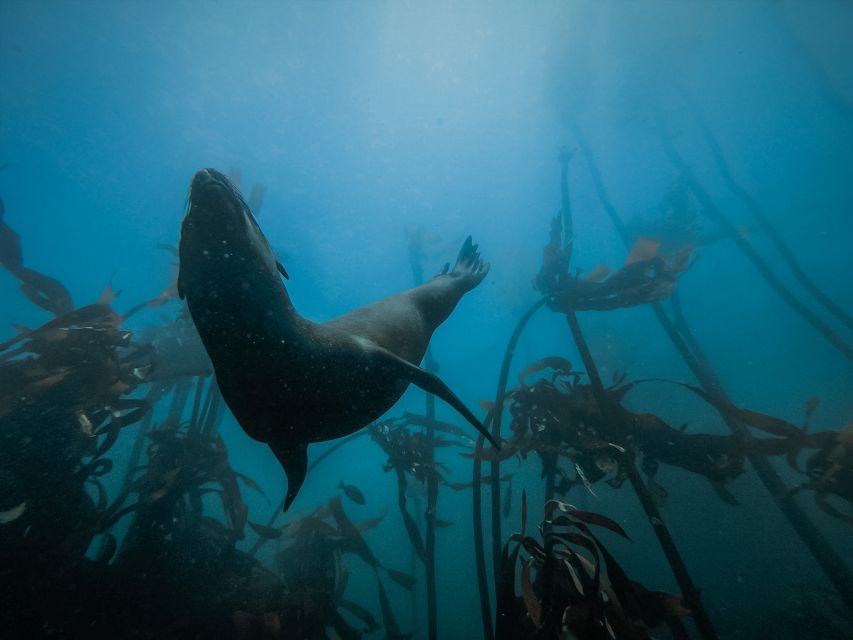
(470, 267)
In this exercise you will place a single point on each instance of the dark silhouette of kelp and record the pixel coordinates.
(571, 585)
(161, 558)
(830, 473)
(42, 290)
(687, 346)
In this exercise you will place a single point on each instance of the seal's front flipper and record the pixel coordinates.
(431, 383)
(294, 460)
(282, 270)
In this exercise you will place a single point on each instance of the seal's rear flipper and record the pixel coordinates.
(431, 383)
(469, 265)
(294, 460)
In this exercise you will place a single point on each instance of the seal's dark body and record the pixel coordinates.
(287, 380)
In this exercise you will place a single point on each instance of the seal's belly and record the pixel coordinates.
(322, 391)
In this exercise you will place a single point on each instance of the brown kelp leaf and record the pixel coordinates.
(403, 579)
(601, 521)
(371, 523)
(159, 300)
(108, 548)
(254, 486)
(103, 498)
(414, 533)
(49, 381)
(822, 504)
(370, 623)
(767, 423)
(584, 516)
(531, 602)
(723, 493)
(119, 420)
(44, 291)
(644, 248)
(110, 519)
(423, 421)
(556, 363)
(536, 550)
(575, 577)
(671, 605)
(584, 480)
(598, 274)
(585, 563)
(264, 531)
(487, 405)
(523, 511)
(13, 514)
(565, 507)
(389, 620)
(108, 295)
(97, 468)
(355, 542)
(589, 545)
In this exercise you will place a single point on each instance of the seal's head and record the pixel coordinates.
(219, 236)
(215, 198)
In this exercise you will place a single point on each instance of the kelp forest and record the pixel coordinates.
(158, 540)
(227, 238)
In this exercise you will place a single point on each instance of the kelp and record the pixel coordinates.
(640, 282)
(646, 277)
(177, 571)
(183, 466)
(685, 343)
(312, 569)
(408, 449)
(558, 418)
(64, 401)
(40, 289)
(68, 389)
(67, 392)
(761, 265)
(409, 452)
(830, 473)
(178, 349)
(571, 586)
(341, 442)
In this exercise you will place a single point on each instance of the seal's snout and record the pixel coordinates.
(212, 191)
(207, 178)
(201, 179)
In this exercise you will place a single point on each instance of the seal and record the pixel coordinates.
(289, 381)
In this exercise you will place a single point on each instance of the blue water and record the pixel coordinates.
(368, 122)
